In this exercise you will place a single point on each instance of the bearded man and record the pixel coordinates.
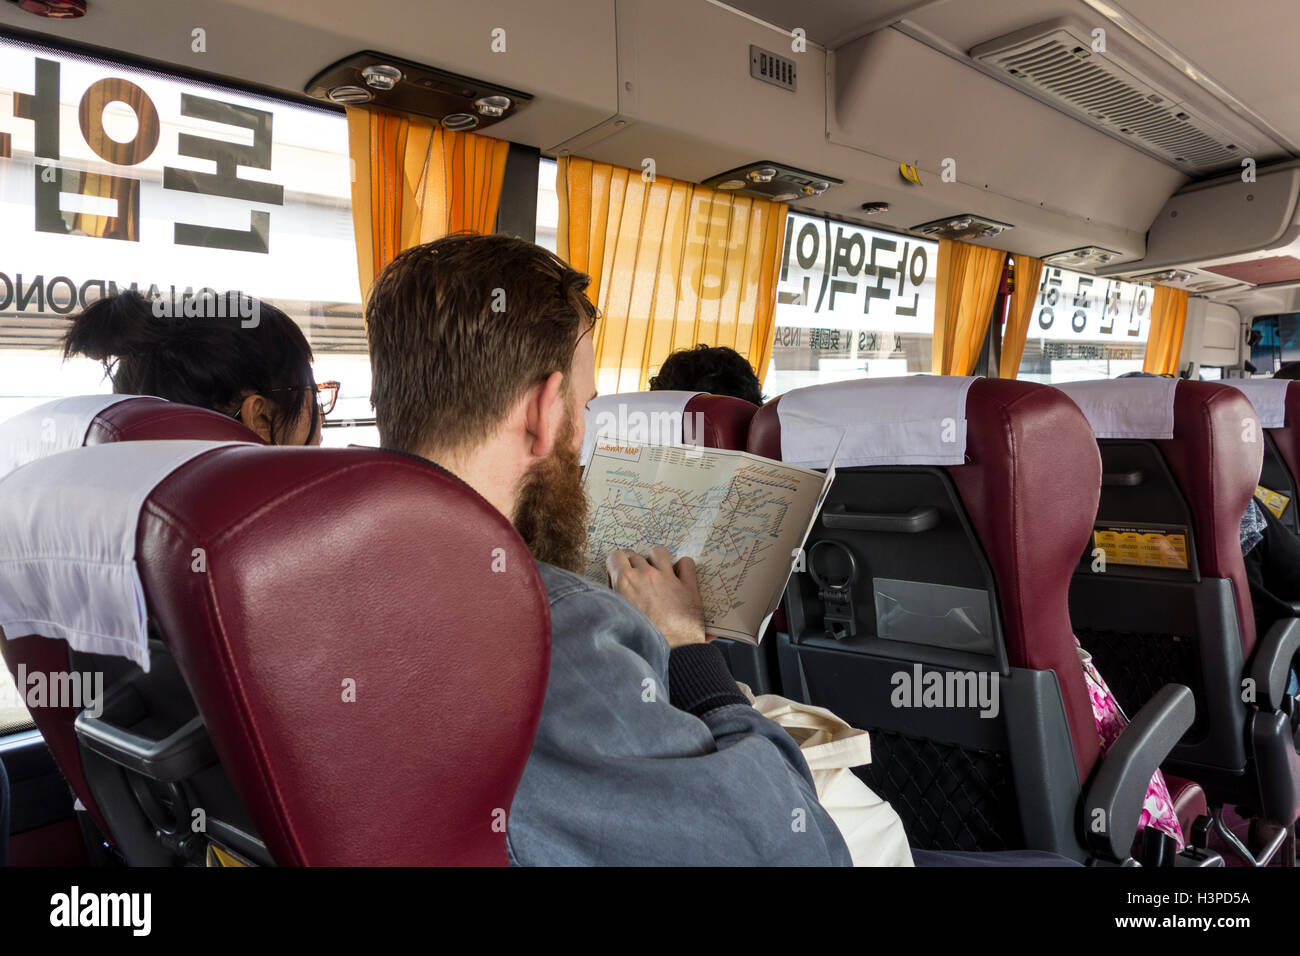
(646, 753)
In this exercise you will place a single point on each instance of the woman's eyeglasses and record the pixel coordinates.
(327, 394)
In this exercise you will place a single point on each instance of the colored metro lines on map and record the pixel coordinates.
(739, 516)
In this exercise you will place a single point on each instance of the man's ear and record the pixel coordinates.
(255, 414)
(544, 412)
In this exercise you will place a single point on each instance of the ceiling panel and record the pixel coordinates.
(829, 22)
(1250, 49)
(1251, 56)
(281, 44)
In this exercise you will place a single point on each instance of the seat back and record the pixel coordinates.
(670, 417)
(1160, 595)
(294, 623)
(1280, 473)
(354, 601)
(936, 574)
(92, 420)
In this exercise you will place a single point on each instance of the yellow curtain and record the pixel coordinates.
(1025, 273)
(1165, 341)
(672, 264)
(968, 278)
(414, 181)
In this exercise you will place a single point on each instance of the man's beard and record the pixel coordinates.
(551, 513)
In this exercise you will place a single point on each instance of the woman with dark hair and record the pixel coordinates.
(717, 370)
(230, 353)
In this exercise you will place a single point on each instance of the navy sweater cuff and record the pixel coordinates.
(699, 681)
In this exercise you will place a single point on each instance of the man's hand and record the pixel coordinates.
(669, 595)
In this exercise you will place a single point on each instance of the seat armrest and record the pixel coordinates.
(1271, 665)
(1113, 802)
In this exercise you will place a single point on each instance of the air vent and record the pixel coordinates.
(1056, 62)
(772, 68)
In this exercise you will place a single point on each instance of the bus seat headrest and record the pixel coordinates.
(1126, 407)
(68, 527)
(909, 420)
(52, 427)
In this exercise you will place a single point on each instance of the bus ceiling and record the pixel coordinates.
(1185, 126)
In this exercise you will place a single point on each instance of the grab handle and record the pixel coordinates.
(1127, 479)
(913, 522)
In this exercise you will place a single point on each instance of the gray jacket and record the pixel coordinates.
(625, 771)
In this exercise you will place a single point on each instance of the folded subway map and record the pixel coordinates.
(741, 517)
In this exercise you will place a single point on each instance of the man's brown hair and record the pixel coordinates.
(460, 327)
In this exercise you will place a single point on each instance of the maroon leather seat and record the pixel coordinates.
(139, 418)
(1281, 470)
(350, 601)
(726, 420)
(337, 573)
(145, 418)
(711, 421)
(1009, 522)
(1146, 626)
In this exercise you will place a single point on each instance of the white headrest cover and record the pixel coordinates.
(1268, 395)
(49, 428)
(1126, 407)
(910, 420)
(67, 544)
(657, 418)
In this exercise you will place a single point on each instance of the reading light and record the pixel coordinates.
(768, 180)
(407, 88)
(382, 76)
(965, 226)
(1085, 256)
(347, 95)
(492, 105)
(457, 122)
(1168, 275)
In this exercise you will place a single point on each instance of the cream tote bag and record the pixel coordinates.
(869, 825)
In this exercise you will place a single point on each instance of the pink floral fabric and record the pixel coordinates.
(1157, 807)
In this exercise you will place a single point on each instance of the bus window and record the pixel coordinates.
(13, 709)
(130, 202)
(1085, 327)
(851, 302)
(548, 204)
(1275, 340)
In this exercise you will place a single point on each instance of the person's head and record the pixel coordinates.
(1288, 370)
(481, 360)
(717, 370)
(231, 353)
